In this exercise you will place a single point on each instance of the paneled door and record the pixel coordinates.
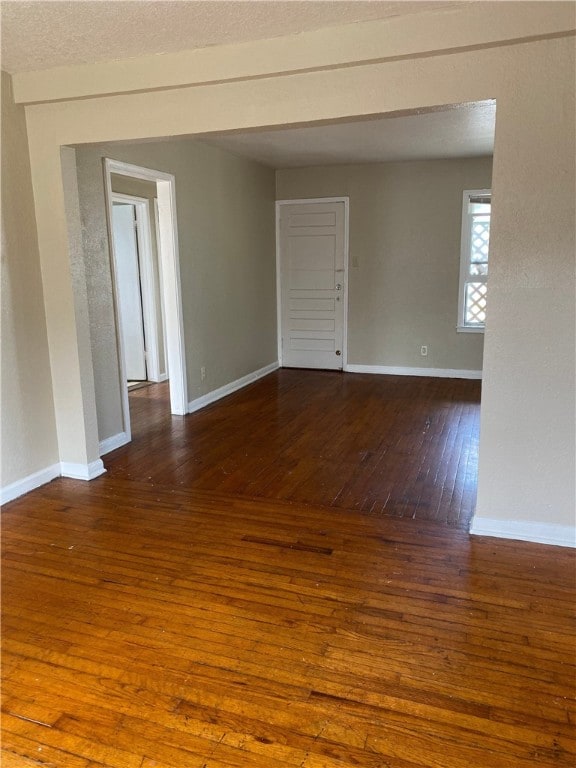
(313, 275)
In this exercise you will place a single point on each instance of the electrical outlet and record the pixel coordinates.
(424, 350)
(203, 373)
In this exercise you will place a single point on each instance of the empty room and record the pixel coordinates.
(288, 384)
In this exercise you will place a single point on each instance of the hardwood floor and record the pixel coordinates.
(174, 613)
(386, 445)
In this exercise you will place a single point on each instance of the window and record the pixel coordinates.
(474, 260)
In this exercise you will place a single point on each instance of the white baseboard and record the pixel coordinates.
(29, 483)
(524, 530)
(228, 389)
(43, 476)
(82, 471)
(392, 370)
(111, 443)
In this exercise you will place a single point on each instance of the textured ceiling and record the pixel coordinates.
(460, 131)
(44, 34)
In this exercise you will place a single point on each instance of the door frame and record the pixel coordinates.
(161, 290)
(311, 201)
(147, 282)
(169, 278)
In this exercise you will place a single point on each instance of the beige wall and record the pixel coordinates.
(405, 223)
(225, 208)
(29, 441)
(475, 52)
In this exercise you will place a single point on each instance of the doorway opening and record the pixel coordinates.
(143, 241)
(140, 311)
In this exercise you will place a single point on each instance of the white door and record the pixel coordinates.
(129, 291)
(313, 284)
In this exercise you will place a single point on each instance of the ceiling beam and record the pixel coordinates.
(463, 27)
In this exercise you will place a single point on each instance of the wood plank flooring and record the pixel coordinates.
(170, 615)
(386, 445)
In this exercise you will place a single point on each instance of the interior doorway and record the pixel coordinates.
(140, 312)
(146, 284)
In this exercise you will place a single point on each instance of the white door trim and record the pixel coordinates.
(311, 200)
(163, 376)
(169, 269)
(147, 280)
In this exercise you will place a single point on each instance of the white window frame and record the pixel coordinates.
(465, 260)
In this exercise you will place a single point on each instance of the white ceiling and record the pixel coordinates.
(466, 130)
(43, 33)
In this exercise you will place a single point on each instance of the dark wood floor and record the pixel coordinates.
(386, 445)
(176, 613)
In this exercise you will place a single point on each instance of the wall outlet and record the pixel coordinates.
(203, 373)
(424, 350)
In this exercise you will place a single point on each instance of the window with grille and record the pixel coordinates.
(474, 260)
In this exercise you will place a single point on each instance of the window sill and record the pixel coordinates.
(469, 329)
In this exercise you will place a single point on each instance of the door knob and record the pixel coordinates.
(338, 287)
